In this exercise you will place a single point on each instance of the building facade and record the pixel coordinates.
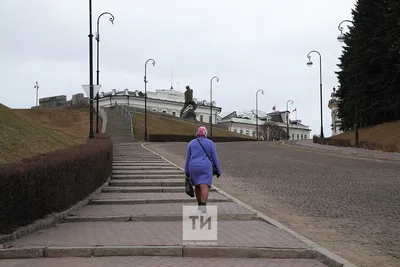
(333, 105)
(166, 101)
(53, 101)
(245, 123)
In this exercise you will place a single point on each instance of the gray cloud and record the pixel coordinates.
(249, 44)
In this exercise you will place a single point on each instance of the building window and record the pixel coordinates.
(174, 113)
(164, 111)
(297, 136)
(302, 137)
(247, 132)
(154, 109)
(292, 136)
(201, 118)
(254, 133)
(209, 119)
(241, 131)
(234, 130)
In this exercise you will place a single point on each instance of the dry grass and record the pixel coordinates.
(163, 125)
(28, 132)
(386, 134)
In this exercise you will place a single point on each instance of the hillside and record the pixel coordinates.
(385, 135)
(74, 122)
(164, 125)
(27, 132)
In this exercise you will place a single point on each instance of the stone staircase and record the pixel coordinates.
(117, 126)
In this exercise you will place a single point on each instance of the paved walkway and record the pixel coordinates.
(139, 214)
(360, 152)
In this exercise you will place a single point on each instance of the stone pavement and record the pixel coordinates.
(136, 220)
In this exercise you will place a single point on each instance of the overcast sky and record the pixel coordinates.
(248, 44)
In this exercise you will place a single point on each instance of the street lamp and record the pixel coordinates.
(341, 38)
(211, 103)
(287, 118)
(262, 92)
(145, 95)
(91, 133)
(98, 71)
(310, 63)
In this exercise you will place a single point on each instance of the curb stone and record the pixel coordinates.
(175, 251)
(247, 252)
(49, 220)
(22, 253)
(324, 255)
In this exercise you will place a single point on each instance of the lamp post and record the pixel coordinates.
(287, 118)
(37, 93)
(145, 95)
(262, 92)
(91, 133)
(310, 63)
(98, 71)
(341, 38)
(211, 102)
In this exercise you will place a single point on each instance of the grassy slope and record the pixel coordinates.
(385, 134)
(27, 132)
(163, 125)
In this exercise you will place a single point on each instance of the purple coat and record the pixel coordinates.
(198, 165)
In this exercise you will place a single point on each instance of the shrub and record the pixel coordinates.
(52, 182)
(188, 138)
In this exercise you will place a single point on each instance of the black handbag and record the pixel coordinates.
(189, 187)
(215, 169)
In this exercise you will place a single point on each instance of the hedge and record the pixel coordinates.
(188, 138)
(52, 182)
(362, 144)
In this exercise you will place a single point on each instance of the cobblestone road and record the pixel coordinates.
(348, 205)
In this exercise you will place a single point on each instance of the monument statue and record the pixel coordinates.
(190, 106)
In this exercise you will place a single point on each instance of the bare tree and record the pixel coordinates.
(272, 131)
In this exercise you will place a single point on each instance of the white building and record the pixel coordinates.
(163, 100)
(245, 123)
(333, 105)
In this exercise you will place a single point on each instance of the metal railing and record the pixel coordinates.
(128, 116)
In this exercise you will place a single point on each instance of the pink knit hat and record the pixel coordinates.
(201, 131)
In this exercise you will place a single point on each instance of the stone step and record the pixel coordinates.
(175, 256)
(139, 161)
(160, 172)
(140, 168)
(147, 182)
(252, 234)
(147, 189)
(156, 196)
(148, 201)
(145, 176)
(152, 218)
(140, 164)
(156, 209)
(136, 155)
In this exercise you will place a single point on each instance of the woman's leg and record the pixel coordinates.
(204, 192)
(197, 192)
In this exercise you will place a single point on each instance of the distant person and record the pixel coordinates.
(201, 165)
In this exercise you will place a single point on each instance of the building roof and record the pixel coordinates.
(249, 117)
(165, 95)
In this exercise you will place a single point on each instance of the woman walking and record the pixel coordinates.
(201, 164)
